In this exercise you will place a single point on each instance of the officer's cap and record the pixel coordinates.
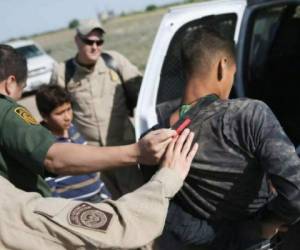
(88, 25)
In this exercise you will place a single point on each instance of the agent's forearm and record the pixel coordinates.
(74, 159)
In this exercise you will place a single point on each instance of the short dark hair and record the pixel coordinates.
(13, 63)
(200, 45)
(49, 97)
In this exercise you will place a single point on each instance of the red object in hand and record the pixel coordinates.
(187, 121)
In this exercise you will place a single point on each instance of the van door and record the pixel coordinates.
(163, 78)
(269, 70)
(269, 60)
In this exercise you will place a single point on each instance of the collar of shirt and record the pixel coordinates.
(7, 98)
(100, 66)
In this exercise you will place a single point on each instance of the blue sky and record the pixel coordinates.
(27, 17)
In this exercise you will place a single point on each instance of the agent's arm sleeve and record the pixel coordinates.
(24, 139)
(132, 77)
(130, 222)
(58, 75)
(126, 68)
(277, 155)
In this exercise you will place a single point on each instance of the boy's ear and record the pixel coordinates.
(10, 85)
(220, 70)
(223, 63)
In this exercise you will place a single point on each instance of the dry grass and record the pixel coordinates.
(130, 35)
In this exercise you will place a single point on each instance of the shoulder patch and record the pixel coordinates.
(89, 217)
(26, 115)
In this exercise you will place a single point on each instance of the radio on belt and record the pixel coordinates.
(187, 121)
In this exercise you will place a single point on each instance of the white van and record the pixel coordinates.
(267, 36)
(39, 63)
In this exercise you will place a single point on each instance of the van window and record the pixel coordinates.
(172, 80)
(273, 64)
(30, 51)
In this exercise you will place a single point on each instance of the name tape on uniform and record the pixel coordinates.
(89, 217)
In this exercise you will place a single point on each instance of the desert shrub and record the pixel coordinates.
(73, 24)
(151, 7)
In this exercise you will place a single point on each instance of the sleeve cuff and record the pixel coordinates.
(170, 179)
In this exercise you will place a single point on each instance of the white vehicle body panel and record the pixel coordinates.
(39, 67)
(171, 23)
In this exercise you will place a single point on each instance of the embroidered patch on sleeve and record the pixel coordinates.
(86, 216)
(26, 116)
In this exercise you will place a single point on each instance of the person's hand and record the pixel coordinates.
(180, 153)
(269, 229)
(153, 146)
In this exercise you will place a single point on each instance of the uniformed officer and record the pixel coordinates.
(102, 96)
(31, 222)
(29, 152)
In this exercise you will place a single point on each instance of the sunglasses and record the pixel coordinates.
(91, 42)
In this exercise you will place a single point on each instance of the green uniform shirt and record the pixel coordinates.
(23, 147)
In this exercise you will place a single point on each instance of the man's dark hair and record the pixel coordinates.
(49, 97)
(200, 45)
(12, 63)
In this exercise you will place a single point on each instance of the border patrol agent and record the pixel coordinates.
(24, 145)
(104, 94)
(55, 223)
(31, 222)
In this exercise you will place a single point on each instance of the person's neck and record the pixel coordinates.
(59, 133)
(196, 89)
(85, 64)
(4, 92)
(62, 133)
(2, 88)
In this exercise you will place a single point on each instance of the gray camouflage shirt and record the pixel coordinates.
(241, 147)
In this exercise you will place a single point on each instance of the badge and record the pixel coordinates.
(114, 76)
(89, 217)
(25, 115)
